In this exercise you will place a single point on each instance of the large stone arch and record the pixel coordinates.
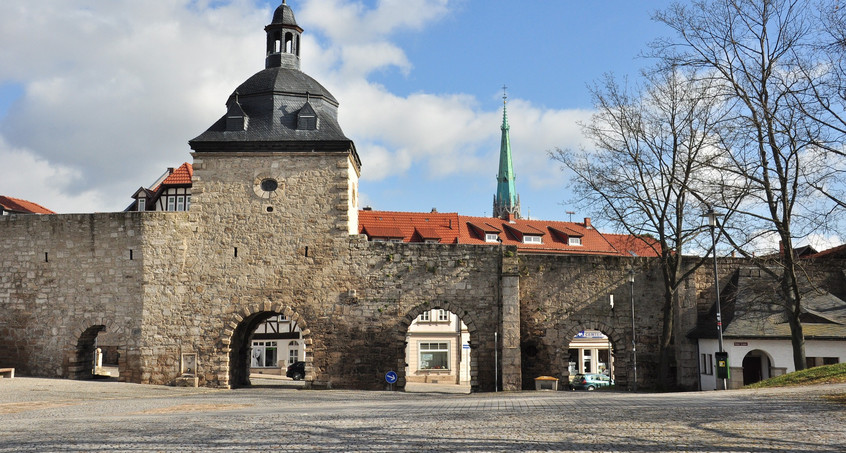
(79, 353)
(234, 341)
(464, 315)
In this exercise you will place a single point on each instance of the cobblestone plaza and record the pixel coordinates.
(64, 415)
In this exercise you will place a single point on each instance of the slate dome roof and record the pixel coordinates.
(284, 80)
(284, 15)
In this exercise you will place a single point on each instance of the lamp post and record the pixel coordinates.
(610, 347)
(712, 224)
(634, 335)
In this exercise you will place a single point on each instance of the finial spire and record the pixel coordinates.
(506, 201)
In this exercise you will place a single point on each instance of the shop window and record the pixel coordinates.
(263, 354)
(434, 356)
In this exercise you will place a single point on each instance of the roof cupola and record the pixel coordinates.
(283, 39)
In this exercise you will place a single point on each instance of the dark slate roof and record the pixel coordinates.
(284, 15)
(750, 309)
(271, 99)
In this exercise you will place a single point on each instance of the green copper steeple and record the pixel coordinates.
(506, 203)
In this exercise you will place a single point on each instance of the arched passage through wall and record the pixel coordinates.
(86, 358)
(592, 347)
(239, 338)
(437, 344)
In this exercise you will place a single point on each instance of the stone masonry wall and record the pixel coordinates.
(562, 295)
(353, 299)
(63, 276)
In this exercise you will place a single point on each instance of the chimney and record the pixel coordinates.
(587, 223)
(781, 248)
(434, 210)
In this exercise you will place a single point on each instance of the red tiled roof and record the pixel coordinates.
(834, 252)
(181, 175)
(383, 231)
(22, 206)
(426, 225)
(633, 245)
(593, 243)
(453, 228)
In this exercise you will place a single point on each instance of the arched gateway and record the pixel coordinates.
(236, 341)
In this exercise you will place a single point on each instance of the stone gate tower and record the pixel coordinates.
(275, 199)
(276, 122)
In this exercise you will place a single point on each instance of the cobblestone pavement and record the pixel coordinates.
(62, 415)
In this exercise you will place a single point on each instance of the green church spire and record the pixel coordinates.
(506, 203)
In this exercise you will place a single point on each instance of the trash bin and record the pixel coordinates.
(546, 383)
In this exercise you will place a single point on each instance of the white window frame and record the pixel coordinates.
(532, 239)
(258, 353)
(443, 315)
(491, 237)
(171, 204)
(576, 241)
(187, 202)
(180, 203)
(433, 347)
(425, 316)
(142, 204)
(707, 364)
(293, 352)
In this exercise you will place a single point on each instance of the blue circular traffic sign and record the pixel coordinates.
(391, 377)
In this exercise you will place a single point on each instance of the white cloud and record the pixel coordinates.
(36, 180)
(114, 90)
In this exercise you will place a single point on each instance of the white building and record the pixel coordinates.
(276, 343)
(756, 334)
(438, 349)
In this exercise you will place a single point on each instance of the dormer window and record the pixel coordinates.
(531, 239)
(307, 118)
(491, 237)
(142, 204)
(574, 241)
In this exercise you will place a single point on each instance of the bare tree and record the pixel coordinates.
(752, 51)
(649, 145)
(823, 98)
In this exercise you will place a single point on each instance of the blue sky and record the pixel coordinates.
(99, 97)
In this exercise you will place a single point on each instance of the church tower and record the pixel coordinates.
(506, 204)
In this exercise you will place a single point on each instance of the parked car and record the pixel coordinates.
(296, 371)
(590, 382)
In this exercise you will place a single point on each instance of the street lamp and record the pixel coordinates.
(712, 224)
(634, 335)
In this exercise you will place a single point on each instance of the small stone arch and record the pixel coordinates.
(80, 357)
(234, 341)
(618, 342)
(464, 315)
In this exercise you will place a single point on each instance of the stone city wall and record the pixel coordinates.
(63, 275)
(561, 295)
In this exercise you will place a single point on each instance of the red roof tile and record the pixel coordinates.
(834, 252)
(593, 243)
(181, 175)
(411, 226)
(453, 228)
(22, 206)
(633, 245)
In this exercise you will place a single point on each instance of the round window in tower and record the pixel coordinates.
(269, 185)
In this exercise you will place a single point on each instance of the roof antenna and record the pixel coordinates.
(571, 214)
